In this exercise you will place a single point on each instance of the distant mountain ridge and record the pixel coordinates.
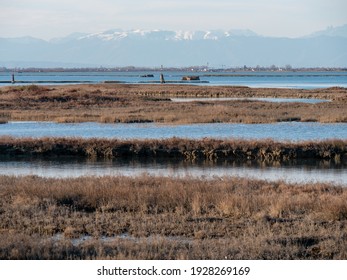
(153, 48)
(340, 31)
(118, 34)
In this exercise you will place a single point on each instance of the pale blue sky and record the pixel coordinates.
(55, 18)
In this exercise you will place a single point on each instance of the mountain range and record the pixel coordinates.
(152, 48)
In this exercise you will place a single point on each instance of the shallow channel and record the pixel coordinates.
(265, 99)
(283, 131)
(296, 172)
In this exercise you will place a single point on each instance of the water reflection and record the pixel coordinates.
(294, 172)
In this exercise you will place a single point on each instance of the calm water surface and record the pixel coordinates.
(265, 99)
(306, 80)
(299, 173)
(287, 131)
(279, 131)
(293, 131)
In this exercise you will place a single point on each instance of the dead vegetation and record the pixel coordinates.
(4, 117)
(165, 218)
(151, 103)
(176, 148)
(169, 218)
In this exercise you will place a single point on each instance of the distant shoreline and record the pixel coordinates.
(199, 69)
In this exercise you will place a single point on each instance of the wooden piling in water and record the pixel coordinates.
(162, 80)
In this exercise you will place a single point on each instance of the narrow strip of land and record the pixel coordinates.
(175, 148)
(127, 103)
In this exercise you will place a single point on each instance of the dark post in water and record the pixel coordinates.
(13, 81)
(162, 79)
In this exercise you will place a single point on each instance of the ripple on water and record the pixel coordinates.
(283, 131)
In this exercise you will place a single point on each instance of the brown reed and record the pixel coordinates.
(169, 218)
(151, 103)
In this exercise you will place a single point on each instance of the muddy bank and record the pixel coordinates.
(175, 148)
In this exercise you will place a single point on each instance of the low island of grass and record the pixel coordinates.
(127, 103)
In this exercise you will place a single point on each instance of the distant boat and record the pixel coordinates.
(191, 78)
(147, 76)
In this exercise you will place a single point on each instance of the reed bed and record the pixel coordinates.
(176, 148)
(4, 117)
(152, 103)
(170, 218)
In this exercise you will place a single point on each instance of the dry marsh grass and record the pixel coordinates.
(165, 218)
(193, 150)
(151, 103)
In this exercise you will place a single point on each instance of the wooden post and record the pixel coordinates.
(162, 78)
(13, 81)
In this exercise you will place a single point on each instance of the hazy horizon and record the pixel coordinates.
(327, 28)
(59, 18)
(284, 28)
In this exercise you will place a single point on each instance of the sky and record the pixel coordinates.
(47, 19)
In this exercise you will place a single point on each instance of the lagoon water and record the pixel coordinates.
(284, 131)
(304, 80)
(291, 131)
(265, 99)
(68, 168)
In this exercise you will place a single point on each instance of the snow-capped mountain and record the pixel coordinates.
(117, 34)
(153, 48)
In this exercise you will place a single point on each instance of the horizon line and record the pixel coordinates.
(329, 27)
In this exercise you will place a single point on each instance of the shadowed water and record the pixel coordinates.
(292, 172)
